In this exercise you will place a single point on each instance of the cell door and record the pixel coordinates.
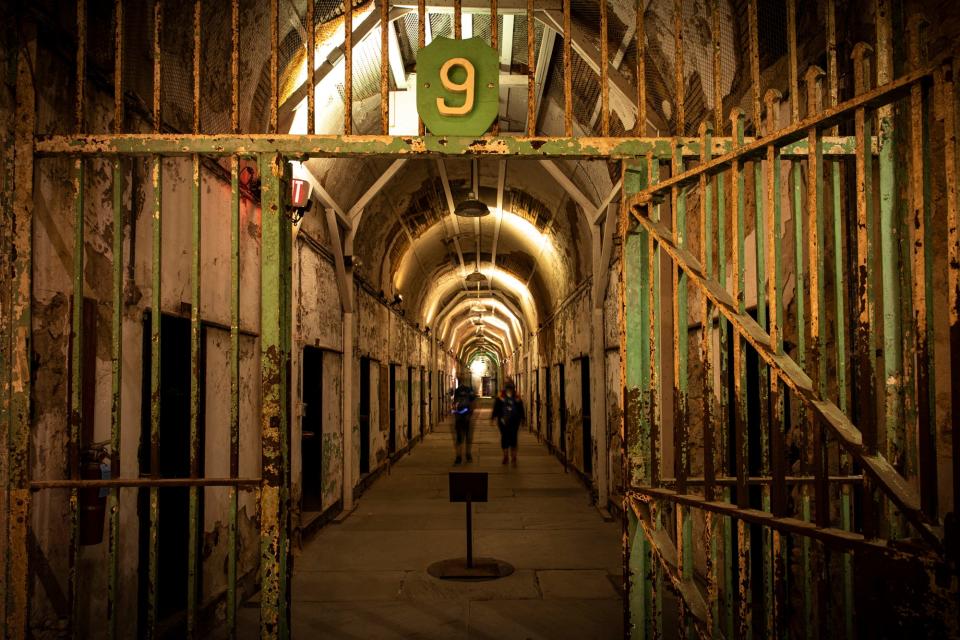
(562, 406)
(391, 396)
(364, 417)
(587, 430)
(311, 430)
(548, 388)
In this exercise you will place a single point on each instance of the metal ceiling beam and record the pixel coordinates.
(603, 241)
(613, 196)
(299, 95)
(578, 196)
(451, 206)
(356, 211)
(501, 185)
(441, 320)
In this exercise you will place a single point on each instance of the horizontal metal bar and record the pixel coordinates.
(828, 117)
(760, 480)
(303, 146)
(839, 538)
(889, 480)
(38, 485)
(479, 6)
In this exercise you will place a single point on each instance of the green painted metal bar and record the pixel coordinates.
(234, 392)
(339, 146)
(156, 317)
(274, 352)
(640, 572)
(116, 359)
(76, 389)
(193, 575)
(890, 235)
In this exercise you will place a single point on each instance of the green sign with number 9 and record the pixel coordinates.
(458, 86)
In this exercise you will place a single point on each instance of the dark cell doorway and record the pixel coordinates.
(174, 462)
(548, 388)
(409, 405)
(424, 406)
(311, 423)
(587, 421)
(536, 393)
(364, 415)
(392, 392)
(562, 407)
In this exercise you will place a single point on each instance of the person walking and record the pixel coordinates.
(509, 414)
(463, 397)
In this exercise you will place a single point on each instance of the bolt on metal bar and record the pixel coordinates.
(531, 73)
(385, 27)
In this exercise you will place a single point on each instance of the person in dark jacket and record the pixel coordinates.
(509, 414)
(463, 397)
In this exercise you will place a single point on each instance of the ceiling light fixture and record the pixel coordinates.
(471, 208)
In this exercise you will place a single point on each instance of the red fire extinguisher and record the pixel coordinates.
(93, 500)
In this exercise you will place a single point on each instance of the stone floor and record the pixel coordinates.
(367, 576)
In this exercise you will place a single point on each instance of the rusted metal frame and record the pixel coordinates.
(195, 389)
(457, 19)
(759, 480)
(834, 537)
(775, 561)
(531, 73)
(641, 41)
(890, 233)
(243, 483)
(232, 493)
(801, 385)
(604, 70)
(922, 268)
(879, 96)
(495, 45)
(654, 348)
(385, 27)
(275, 259)
(348, 66)
(737, 211)
(949, 97)
(669, 558)
(640, 610)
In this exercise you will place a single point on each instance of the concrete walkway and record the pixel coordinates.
(367, 577)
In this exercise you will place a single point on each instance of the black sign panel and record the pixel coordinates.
(468, 486)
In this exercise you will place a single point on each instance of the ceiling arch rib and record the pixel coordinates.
(489, 341)
(462, 304)
(467, 327)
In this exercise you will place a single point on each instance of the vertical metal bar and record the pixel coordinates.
(922, 269)
(274, 349)
(792, 60)
(567, 73)
(421, 43)
(953, 267)
(679, 211)
(776, 547)
(232, 541)
(604, 70)
(641, 38)
(890, 235)
(21, 234)
(312, 63)
(707, 356)
(741, 442)
(384, 67)
(153, 562)
(865, 336)
(678, 77)
(116, 353)
(495, 45)
(653, 333)
(531, 73)
(76, 347)
(457, 19)
(348, 65)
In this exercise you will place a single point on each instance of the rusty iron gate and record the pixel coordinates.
(866, 479)
(783, 459)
